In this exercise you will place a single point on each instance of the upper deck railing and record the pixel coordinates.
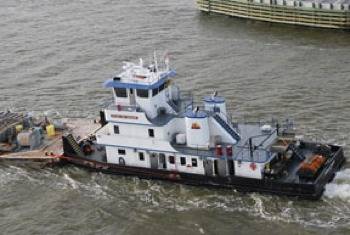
(258, 155)
(110, 105)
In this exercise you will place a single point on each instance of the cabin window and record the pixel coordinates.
(183, 161)
(154, 91)
(120, 92)
(116, 129)
(172, 159)
(142, 93)
(194, 162)
(121, 151)
(141, 156)
(217, 109)
(161, 87)
(167, 83)
(151, 133)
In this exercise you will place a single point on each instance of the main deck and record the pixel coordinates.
(288, 183)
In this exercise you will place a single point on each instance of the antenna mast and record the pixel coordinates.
(155, 61)
(167, 61)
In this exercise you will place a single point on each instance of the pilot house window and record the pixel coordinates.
(120, 92)
(161, 87)
(154, 91)
(142, 93)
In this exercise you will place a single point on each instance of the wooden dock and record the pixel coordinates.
(323, 14)
(50, 153)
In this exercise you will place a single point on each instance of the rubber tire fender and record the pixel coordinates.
(121, 161)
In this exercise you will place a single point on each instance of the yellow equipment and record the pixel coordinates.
(50, 130)
(19, 128)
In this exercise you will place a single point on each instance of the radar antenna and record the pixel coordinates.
(214, 94)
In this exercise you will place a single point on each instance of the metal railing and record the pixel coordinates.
(128, 108)
(110, 105)
(184, 102)
(259, 155)
(286, 124)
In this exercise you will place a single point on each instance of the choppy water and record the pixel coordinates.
(56, 54)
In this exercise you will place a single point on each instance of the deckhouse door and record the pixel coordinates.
(154, 161)
(132, 98)
(162, 161)
(208, 167)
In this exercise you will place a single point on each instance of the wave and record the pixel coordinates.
(155, 196)
(14, 174)
(340, 187)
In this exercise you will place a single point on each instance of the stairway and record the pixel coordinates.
(70, 144)
(227, 127)
(173, 105)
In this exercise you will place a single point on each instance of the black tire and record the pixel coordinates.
(121, 161)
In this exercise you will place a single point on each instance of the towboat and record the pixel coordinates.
(153, 130)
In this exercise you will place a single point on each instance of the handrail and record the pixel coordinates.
(258, 156)
(134, 108)
(245, 147)
(268, 135)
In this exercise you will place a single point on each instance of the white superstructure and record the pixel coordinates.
(152, 124)
(153, 130)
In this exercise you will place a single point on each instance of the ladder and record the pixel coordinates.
(73, 145)
(227, 127)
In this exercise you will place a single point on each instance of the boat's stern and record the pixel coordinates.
(330, 168)
(309, 167)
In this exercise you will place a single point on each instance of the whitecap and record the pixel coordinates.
(335, 190)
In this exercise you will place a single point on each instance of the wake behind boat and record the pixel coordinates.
(154, 130)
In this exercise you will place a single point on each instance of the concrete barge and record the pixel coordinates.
(318, 13)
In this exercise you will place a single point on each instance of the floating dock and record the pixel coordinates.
(50, 153)
(319, 13)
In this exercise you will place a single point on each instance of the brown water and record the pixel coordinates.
(54, 55)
